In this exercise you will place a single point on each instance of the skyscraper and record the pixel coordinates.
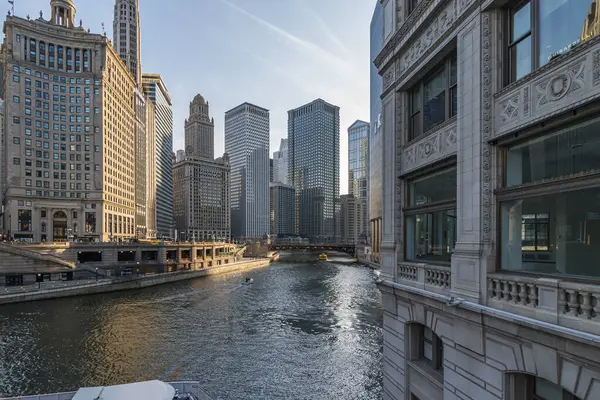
(199, 130)
(155, 89)
(358, 158)
(352, 218)
(69, 169)
(314, 159)
(283, 215)
(247, 143)
(375, 203)
(280, 163)
(127, 37)
(202, 209)
(358, 168)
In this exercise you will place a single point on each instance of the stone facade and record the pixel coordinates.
(69, 131)
(508, 323)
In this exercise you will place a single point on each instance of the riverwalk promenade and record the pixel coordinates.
(50, 290)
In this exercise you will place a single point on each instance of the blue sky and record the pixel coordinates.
(278, 54)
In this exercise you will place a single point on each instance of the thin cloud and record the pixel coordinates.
(311, 47)
(324, 26)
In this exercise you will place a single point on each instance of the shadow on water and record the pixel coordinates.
(302, 329)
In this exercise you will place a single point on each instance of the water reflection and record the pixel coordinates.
(309, 330)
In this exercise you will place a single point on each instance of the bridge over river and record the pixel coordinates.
(302, 330)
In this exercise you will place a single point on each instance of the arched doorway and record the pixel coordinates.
(59, 226)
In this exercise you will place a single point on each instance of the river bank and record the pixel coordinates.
(120, 284)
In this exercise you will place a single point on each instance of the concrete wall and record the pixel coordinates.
(136, 283)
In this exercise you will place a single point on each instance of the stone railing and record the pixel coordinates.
(572, 304)
(425, 276)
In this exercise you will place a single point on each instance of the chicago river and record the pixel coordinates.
(301, 330)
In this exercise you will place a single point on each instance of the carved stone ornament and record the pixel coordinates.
(440, 144)
(559, 85)
(487, 116)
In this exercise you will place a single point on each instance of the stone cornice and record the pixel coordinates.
(396, 39)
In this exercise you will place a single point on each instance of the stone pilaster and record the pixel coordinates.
(474, 254)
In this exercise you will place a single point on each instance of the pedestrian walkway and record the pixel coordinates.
(50, 286)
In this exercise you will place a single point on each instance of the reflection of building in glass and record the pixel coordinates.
(247, 143)
(591, 26)
(313, 169)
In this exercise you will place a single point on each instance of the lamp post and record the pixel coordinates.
(96, 274)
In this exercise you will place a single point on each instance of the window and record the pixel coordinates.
(425, 347)
(431, 217)
(541, 29)
(16, 161)
(434, 99)
(24, 217)
(550, 213)
(526, 387)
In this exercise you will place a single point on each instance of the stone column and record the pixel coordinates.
(389, 182)
(478, 73)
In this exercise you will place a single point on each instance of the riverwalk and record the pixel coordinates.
(51, 290)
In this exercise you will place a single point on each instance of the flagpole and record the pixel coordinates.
(12, 3)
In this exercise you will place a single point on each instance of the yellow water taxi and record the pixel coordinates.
(322, 257)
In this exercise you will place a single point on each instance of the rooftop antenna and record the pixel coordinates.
(103, 31)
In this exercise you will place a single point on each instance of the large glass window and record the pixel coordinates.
(433, 100)
(543, 29)
(574, 150)
(550, 206)
(552, 233)
(24, 220)
(431, 217)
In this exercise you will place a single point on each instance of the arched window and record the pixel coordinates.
(530, 387)
(60, 215)
(424, 345)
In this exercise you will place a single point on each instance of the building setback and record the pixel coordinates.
(127, 36)
(491, 200)
(199, 130)
(69, 152)
(313, 168)
(155, 89)
(283, 205)
(352, 217)
(247, 143)
(201, 199)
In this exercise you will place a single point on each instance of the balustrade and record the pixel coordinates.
(426, 276)
(566, 302)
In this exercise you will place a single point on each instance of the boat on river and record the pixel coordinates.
(249, 281)
(323, 257)
(151, 390)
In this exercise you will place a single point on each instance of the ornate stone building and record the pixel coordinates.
(69, 132)
(491, 199)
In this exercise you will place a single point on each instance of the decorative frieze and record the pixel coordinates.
(565, 83)
(436, 146)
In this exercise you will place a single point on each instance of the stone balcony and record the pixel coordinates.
(425, 276)
(570, 304)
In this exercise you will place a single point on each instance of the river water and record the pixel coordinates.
(302, 330)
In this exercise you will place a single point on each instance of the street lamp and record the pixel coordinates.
(96, 274)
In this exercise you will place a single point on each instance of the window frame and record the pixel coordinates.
(446, 66)
(429, 208)
(546, 187)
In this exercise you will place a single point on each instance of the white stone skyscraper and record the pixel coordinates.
(247, 143)
(127, 36)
